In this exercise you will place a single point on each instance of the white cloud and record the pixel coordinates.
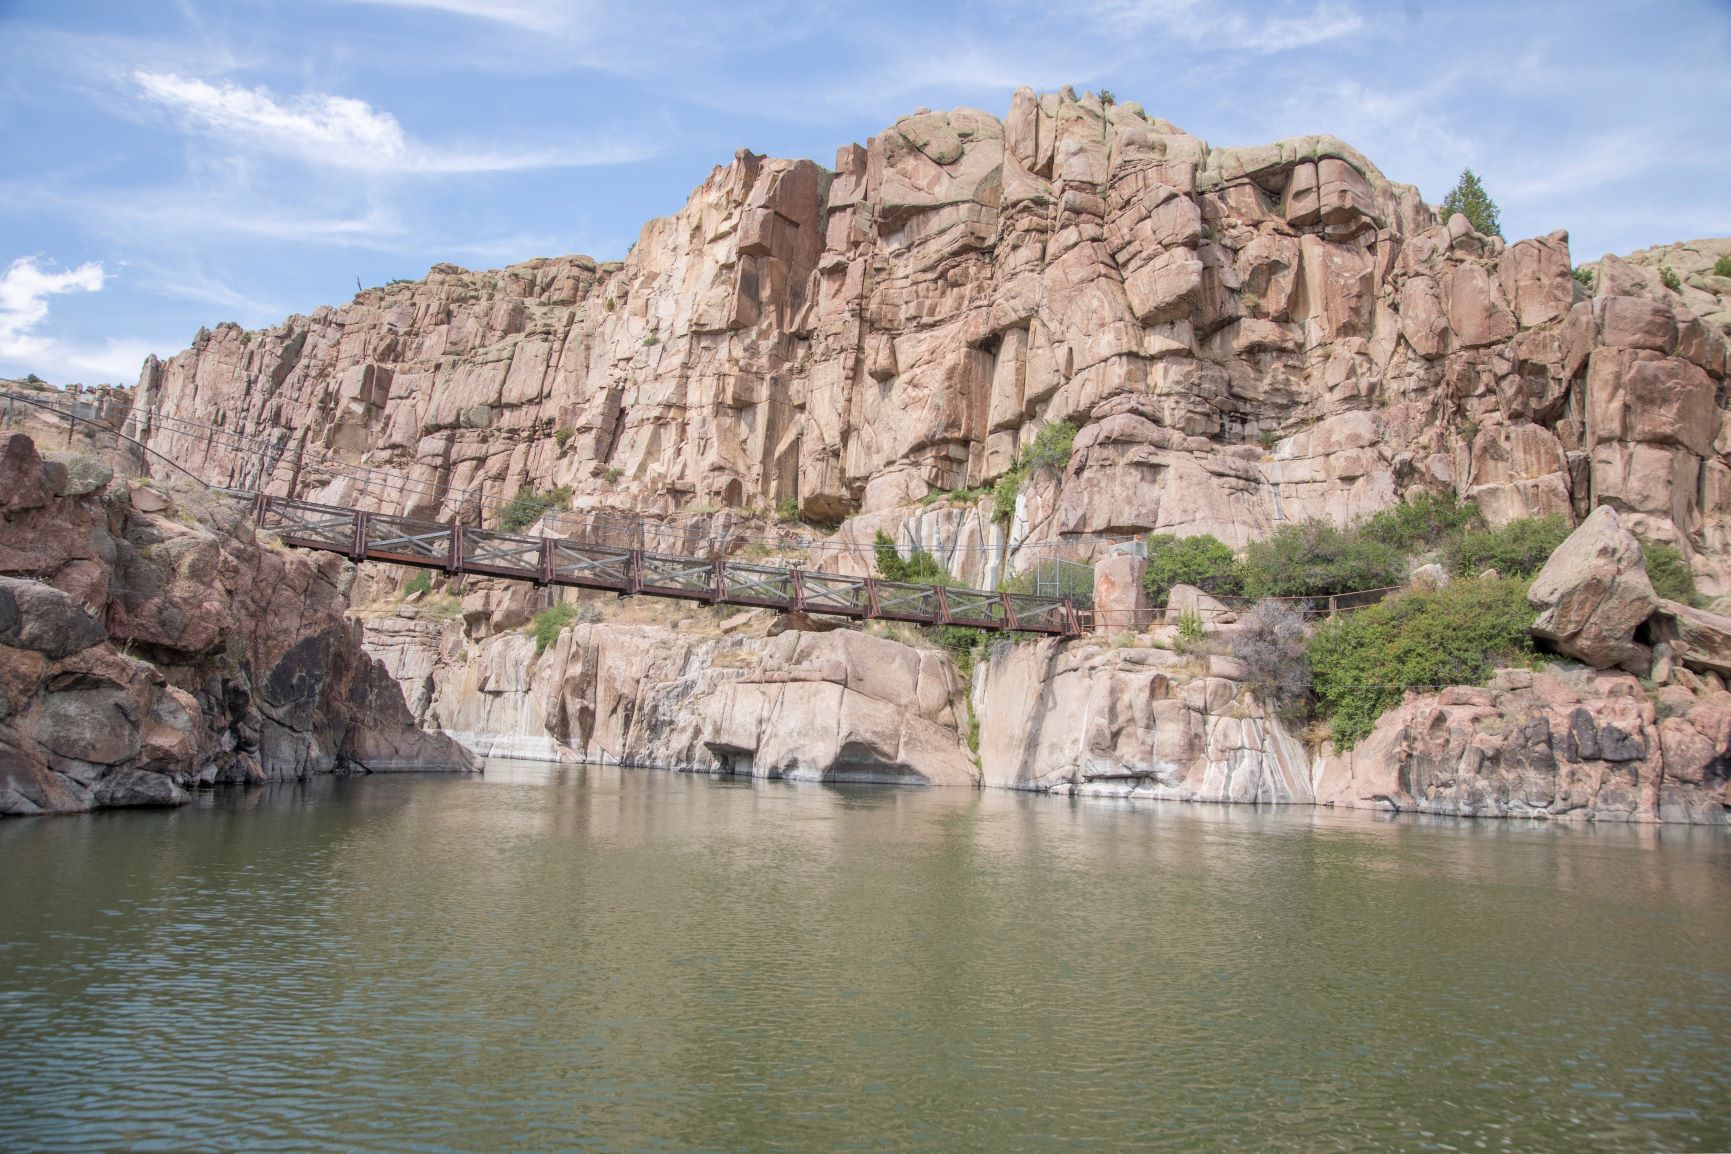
(331, 131)
(1207, 22)
(24, 293)
(25, 290)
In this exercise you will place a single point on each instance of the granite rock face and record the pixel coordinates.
(1583, 744)
(837, 706)
(1593, 594)
(1134, 721)
(1243, 336)
(142, 654)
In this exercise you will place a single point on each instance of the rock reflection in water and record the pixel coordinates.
(593, 958)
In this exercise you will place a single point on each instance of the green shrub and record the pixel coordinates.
(920, 567)
(1517, 549)
(1423, 521)
(1361, 663)
(788, 509)
(1669, 572)
(550, 622)
(1190, 627)
(563, 435)
(528, 506)
(1004, 494)
(1313, 558)
(612, 475)
(651, 340)
(421, 582)
(1669, 278)
(1050, 449)
(1203, 561)
(1722, 266)
(1583, 277)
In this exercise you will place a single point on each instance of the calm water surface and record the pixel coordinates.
(585, 959)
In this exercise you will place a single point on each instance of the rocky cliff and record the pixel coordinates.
(149, 644)
(861, 338)
(1241, 336)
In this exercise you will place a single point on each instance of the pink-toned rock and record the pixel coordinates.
(1593, 594)
(1535, 279)
(1476, 310)
(254, 672)
(1627, 322)
(1120, 593)
(1541, 749)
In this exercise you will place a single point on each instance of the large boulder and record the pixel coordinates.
(1593, 594)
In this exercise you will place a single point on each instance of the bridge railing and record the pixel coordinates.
(365, 536)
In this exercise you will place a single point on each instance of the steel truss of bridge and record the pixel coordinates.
(463, 549)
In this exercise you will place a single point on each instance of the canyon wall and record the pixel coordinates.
(1242, 337)
(148, 644)
(1245, 336)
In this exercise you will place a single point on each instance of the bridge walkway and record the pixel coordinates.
(463, 549)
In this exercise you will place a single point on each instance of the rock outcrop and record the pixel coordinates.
(1132, 721)
(1593, 594)
(146, 652)
(837, 706)
(1580, 744)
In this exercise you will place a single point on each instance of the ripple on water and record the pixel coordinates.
(596, 960)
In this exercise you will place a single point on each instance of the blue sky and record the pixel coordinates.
(177, 163)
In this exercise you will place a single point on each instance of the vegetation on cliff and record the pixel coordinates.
(528, 506)
(1050, 449)
(1469, 198)
(1363, 663)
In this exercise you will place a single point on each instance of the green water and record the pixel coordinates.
(569, 959)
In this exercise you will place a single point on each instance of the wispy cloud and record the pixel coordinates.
(535, 15)
(25, 290)
(325, 130)
(1209, 22)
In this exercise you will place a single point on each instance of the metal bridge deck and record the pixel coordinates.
(362, 536)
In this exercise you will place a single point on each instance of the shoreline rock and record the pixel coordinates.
(147, 653)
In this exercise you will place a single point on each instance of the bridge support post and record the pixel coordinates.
(454, 558)
(634, 572)
(358, 550)
(871, 592)
(1009, 611)
(718, 589)
(797, 578)
(546, 577)
(943, 614)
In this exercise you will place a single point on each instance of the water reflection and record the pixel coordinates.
(581, 957)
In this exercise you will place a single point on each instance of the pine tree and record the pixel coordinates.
(1470, 199)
